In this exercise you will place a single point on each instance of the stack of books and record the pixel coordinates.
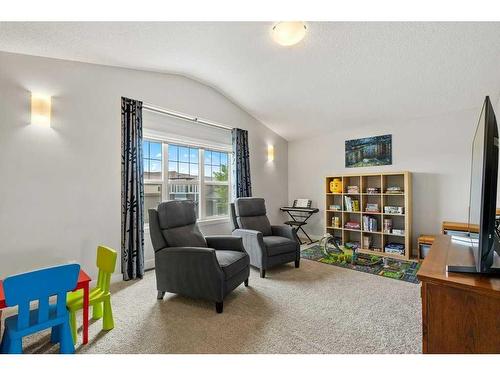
(372, 207)
(353, 189)
(335, 207)
(369, 224)
(394, 248)
(393, 210)
(351, 205)
(394, 190)
(372, 190)
(352, 225)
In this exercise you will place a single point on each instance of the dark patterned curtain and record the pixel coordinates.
(242, 185)
(132, 191)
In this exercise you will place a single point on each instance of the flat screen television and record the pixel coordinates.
(483, 234)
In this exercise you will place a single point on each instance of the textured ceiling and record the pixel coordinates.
(343, 74)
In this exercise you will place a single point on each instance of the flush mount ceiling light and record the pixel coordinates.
(289, 33)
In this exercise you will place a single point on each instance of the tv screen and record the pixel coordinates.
(476, 183)
(483, 188)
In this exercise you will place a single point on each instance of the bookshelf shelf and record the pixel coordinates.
(378, 239)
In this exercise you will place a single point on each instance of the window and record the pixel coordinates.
(193, 173)
(152, 160)
(183, 173)
(216, 182)
(153, 176)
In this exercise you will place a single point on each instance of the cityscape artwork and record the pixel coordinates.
(368, 152)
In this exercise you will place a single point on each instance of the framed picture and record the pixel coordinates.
(368, 152)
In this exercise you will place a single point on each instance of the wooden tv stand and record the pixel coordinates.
(460, 312)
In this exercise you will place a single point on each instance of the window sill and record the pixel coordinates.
(214, 221)
(201, 223)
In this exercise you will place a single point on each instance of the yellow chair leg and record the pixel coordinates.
(72, 323)
(107, 322)
(97, 311)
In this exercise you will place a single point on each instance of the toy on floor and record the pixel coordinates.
(326, 240)
(340, 256)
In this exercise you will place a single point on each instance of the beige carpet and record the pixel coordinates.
(318, 308)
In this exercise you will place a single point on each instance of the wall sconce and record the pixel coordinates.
(40, 109)
(270, 153)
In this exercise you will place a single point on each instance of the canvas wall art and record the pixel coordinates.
(368, 152)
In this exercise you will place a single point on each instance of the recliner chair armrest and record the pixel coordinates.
(225, 243)
(252, 241)
(248, 233)
(284, 231)
(193, 271)
(203, 256)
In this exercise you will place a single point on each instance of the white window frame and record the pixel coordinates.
(202, 145)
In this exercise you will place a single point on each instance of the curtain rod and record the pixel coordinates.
(183, 116)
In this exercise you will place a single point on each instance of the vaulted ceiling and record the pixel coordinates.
(343, 74)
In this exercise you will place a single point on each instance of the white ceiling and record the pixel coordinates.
(343, 74)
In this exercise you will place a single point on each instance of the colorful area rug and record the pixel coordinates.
(393, 268)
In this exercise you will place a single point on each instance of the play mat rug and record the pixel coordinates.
(394, 268)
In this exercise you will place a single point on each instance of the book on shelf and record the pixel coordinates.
(400, 232)
(353, 190)
(394, 190)
(351, 205)
(352, 225)
(355, 205)
(370, 224)
(394, 210)
(372, 207)
(335, 207)
(372, 190)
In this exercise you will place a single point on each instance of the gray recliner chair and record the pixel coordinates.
(188, 263)
(268, 245)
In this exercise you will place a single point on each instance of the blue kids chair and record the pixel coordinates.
(39, 285)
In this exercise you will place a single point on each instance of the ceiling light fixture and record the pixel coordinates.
(289, 33)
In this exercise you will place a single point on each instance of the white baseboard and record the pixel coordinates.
(149, 264)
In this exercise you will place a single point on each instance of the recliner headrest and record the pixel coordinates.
(172, 214)
(250, 207)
